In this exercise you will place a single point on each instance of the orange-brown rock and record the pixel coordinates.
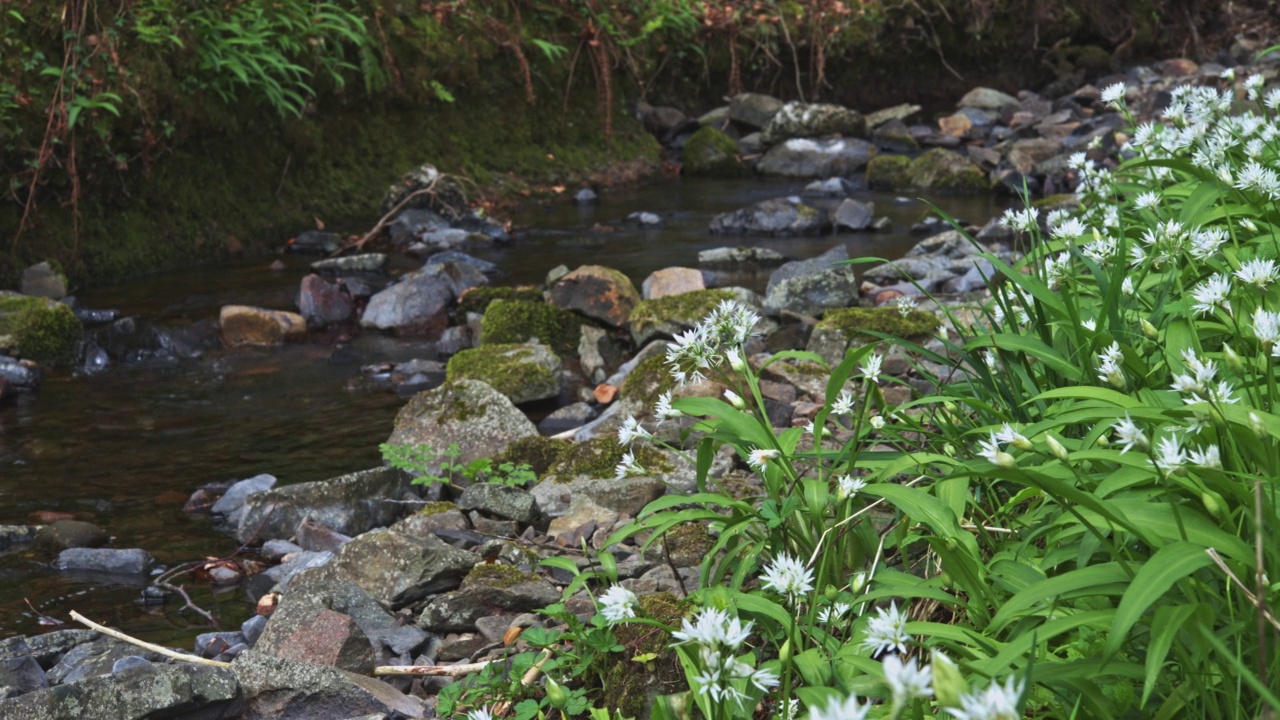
(244, 325)
(598, 292)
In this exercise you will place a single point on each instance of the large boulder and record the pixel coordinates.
(520, 321)
(798, 120)
(397, 569)
(672, 281)
(470, 413)
(521, 372)
(489, 589)
(803, 157)
(945, 171)
(781, 217)
(843, 328)
(140, 693)
(350, 504)
(37, 328)
(671, 315)
(323, 303)
(278, 689)
(812, 286)
(415, 306)
(251, 326)
(710, 152)
(753, 109)
(598, 292)
(888, 172)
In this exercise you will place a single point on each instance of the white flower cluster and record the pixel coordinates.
(618, 604)
(788, 576)
(719, 638)
(708, 344)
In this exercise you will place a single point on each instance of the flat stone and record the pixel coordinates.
(986, 99)
(180, 690)
(854, 214)
(279, 688)
(243, 325)
(331, 638)
(672, 281)
(63, 534)
(363, 263)
(417, 306)
(131, 561)
(811, 286)
(804, 157)
(503, 501)
(350, 504)
(398, 569)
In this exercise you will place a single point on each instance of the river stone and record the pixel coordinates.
(411, 225)
(282, 689)
(18, 535)
(1026, 154)
(65, 534)
(425, 524)
(108, 560)
(569, 417)
(23, 374)
(331, 638)
(597, 353)
(41, 280)
(710, 152)
(471, 413)
(889, 114)
(672, 281)
(753, 109)
(318, 589)
(854, 214)
(323, 303)
(37, 329)
(416, 306)
(801, 120)
(315, 536)
(811, 286)
(936, 259)
(488, 590)
(21, 675)
(459, 277)
(581, 512)
(942, 170)
(736, 255)
(598, 292)
(521, 372)
(986, 99)
(90, 659)
(243, 325)
(626, 496)
(777, 217)
(45, 648)
(180, 690)
(398, 569)
(501, 500)
(294, 563)
(232, 501)
(813, 158)
(350, 504)
(372, 263)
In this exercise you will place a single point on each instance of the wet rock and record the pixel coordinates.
(210, 644)
(888, 172)
(523, 373)
(461, 258)
(12, 536)
(753, 109)
(598, 292)
(897, 112)
(19, 374)
(941, 170)
(293, 564)
(350, 504)
(45, 648)
(781, 217)
(672, 281)
(131, 340)
(410, 226)
(500, 500)
(645, 220)
(65, 534)
(811, 286)
(277, 688)
(323, 303)
(315, 536)
(712, 153)
(472, 414)
(831, 187)
(804, 157)
(42, 280)
(565, 418)
(368, 263)
(586, 196)
(36, 328)
(736, 255)
(802, 120)
(986, 99)
(458, 277)
(250, 326)
(399, 569)
(107, 560)
(232, 500)
(932, 262)
(416, 306)
(174, 691)
(854, 215)
(21, 675)
(488, 590)
(97, 657)
(315, 241)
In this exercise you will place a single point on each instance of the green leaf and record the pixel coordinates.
(1157, 575)
(814, 667)
(1104, 579)
(1033, 347)
(1169, 620)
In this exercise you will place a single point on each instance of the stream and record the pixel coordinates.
(125, 448)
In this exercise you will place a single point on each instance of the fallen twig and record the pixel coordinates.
(158, 649)
(382, 222)
(1262, 609)
(178, 589)
(433, 670)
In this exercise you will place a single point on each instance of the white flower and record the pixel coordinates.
(847, 486)
(1212, 293)
(663, 408)
(1169, 457)
(1272, 99)
(1253, 85)
(628, 467)
(734, 399)
(908, 680)
(713, 628)
(1113, 95)
(990, 449)
(1209, 457)
(481, 714)
(1205, 243)
(887, 630)
(997, 702)
(1089, 324)
(847, 709)
(618, 604)
(788, 576)
(632, 430)
(1025, 220)
(1257, 272)
(1009, 436)
(828, 615)
(906, 304)
(760, 457)
(1127, 286)
(991, 359)
(1146, 201)
(719, 637)
(735, 359)
(871, 367)
(843, 404)
(1069, 229)
(1109, 370)
(877, 422)
(1129, 434)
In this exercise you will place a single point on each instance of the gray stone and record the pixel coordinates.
(12, 536)
(897, 112)
(323, 303)
(403, 639)
(803, 120)
(129, 662)
(458, 277)
(21, 675)
(645, 219)
(412, 307)
(282, 575)
(854, 215)
(65, 534)
(421, 525)
(41, 280)
(108, 560)
(622, 495)
(736, 255)
(315, 536)
(45, 648)
(252, 629)
(214, 643)
(181, 690)
(568, 417)
(586, 196)
(811, 286)
(581, 512)
(590, 358)
(831, 187)
(501, 500)
(91, 659)
(399, 569)
(459, 610)
(275, 549)
(372, 263)
(775, 217)
(461, 258)
(232, 501)
(279, 689)
(19, 373)
(410, 225)
(753, 109)
(813, 158)
(317, 590)
(986, 99)
(350, 504)
(470, 413)
(315, 241)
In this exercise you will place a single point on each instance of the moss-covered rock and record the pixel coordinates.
(477, 300)
(599, 458)
(674, 313)
(647, 381)
(521, 372)
(850, 327)
(945, 171)
(710, 152)
(37, 328)
(518, 321)
(887, 172)
(538, 452)
(470, 413)
(630, 686)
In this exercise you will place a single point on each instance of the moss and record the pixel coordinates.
(887, 172)
(435, 508)
(685, 308)
(710, 152)
(942, 170)
(688, 544)
(517, 321)
(38, 328)
(477, 299)
(648, 380)
(1053, 202)
(628, 685)
(599, 458)
(856, 322)
(495, 575)
(538, 452)
(507, 368)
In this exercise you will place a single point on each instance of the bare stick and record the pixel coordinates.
(158, 649)
(178, 589)
(432, 670)
(1262, 608)
(382, 222)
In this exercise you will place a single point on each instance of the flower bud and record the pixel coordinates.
(1005, 460)
(557, 695)
(1255, 422)
(1022, 444)
(1150, 330)
(1213, 503)
(735, 360)
(857, 583)
(948, 683)
(1103, 442)
(831, 593)
(735, 399)
(1056, 448)
(784, 653)
(1233, 360)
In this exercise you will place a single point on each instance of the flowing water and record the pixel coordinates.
(124, 448)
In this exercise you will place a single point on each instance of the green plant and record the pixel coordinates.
(421, 462)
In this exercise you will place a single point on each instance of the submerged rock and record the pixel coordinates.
(131, 561)
(777, 217)
(323, 303)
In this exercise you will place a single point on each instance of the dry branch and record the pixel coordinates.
(158, 649)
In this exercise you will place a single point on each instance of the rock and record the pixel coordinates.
(333, 639)
(716, 116)
(844, 328)
(12, 536)
(279, 688)
(130, 340)
(107, 560)
(350, 504)
(776, 217)
(854, 215)
(315, 590)
(562, 419)
(472, 414)
(459, 277)
(753, 109)
(646, 220)
(243, 325)
(418, 306)
(21, 675)
(446, 198)
(487, 590)
(142, 693)
(672, 281)
(895, 137)
(461, 258)
(941, 170)
(831, 187)
(42, 280)
(803, 157)
(431, 520)
(323, 303)
(671, 315)
(586, 196)
(888, 172)
(232, 501)
(897, 112)
(65, 534)
(129, 662)
(736, 255)
(315, 241)
(252, 628)
(712, 153)
(801, 120)
(811, 286)
(398, 569)
(956, 125)
(662, 121)
(314, 536)
(1025, 155)
(294, 563)
(583, 511)
(622, 495)
(19, 373)
(598, 354)
(598, 292)
(986, 99)
(521, 372)
(502, 501)
(368, 263)
(411, 226)
(38, 329)
(210, 644)
(518, 321)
